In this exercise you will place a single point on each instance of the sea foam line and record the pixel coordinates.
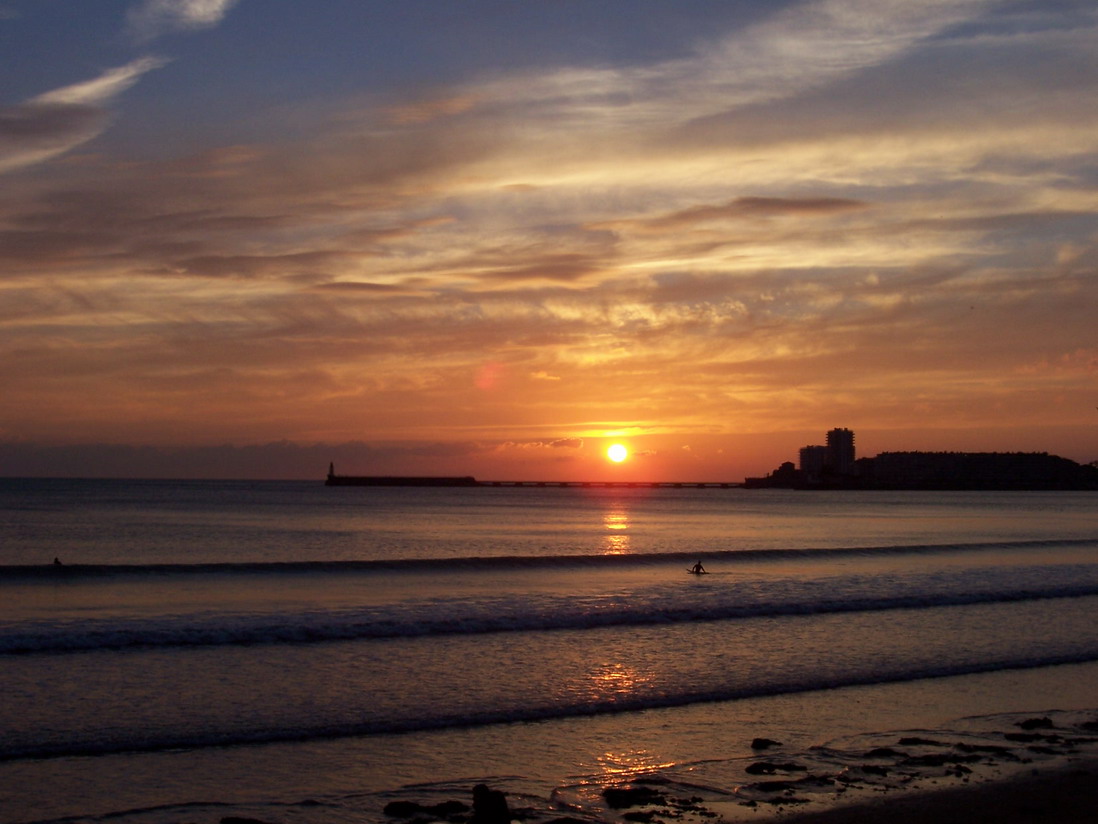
(462, 619)
(78, 571)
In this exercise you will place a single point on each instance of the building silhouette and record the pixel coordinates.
(813, 463)
(836, 466)
(840, 452)
(830, 463)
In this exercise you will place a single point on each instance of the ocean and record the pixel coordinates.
(292, 652)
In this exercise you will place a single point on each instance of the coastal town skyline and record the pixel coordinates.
(241, 239)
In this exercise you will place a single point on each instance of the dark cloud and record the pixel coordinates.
(567, 443)
(559, 266)
(357, 286)
(32, 125)
(257, 266)
(743, 207)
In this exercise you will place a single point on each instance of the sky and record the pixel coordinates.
(244, 238)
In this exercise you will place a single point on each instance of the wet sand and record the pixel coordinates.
(1014, 767)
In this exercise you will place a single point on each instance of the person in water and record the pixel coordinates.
(697, 569)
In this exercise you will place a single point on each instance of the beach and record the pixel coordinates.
(1065, 794)
(906, 777)
(1009, 767)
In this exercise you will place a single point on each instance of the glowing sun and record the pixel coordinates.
(617, 453)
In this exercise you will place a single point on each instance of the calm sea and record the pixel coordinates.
(302, 653)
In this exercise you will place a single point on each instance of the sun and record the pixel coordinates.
(617, 453)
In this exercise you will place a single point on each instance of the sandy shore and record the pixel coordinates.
(1067, 794)
(1014, 767)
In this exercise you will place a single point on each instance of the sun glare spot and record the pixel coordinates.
(617, 453)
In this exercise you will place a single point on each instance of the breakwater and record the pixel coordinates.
(469, 481)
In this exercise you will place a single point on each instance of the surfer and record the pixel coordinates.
(697, 569)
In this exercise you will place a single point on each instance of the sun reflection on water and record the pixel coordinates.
(628, 763)
(616, 521)
(611, 681)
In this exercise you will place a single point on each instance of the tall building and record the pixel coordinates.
(813, 463)
(840, 451)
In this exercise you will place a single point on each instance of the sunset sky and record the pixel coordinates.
(242, 239)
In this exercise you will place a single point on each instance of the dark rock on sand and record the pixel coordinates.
(769, 768)
(875, 769)
(1028, 737)
(919, 742)
(938, 759)
(489, 806)
(448, 808)
(764, 743)
(1044, 723)
(884, 752)
(773, 786)
(620, 798)
(399, 809)
(989, 749)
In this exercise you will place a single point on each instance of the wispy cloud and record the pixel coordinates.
(153, 18)
(806, 46)
(60, 120)
(102, 89)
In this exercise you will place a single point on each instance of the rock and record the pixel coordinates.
(884, 752)
(1029, 737)
(990, 749)
(620, 798)
(1043, 723)
(240, 819)
(768, 768)
(938, 759)
(398, 809)
(449, 809)
(920, 742)
(764, 743)
(774, 786)
(489, 806)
